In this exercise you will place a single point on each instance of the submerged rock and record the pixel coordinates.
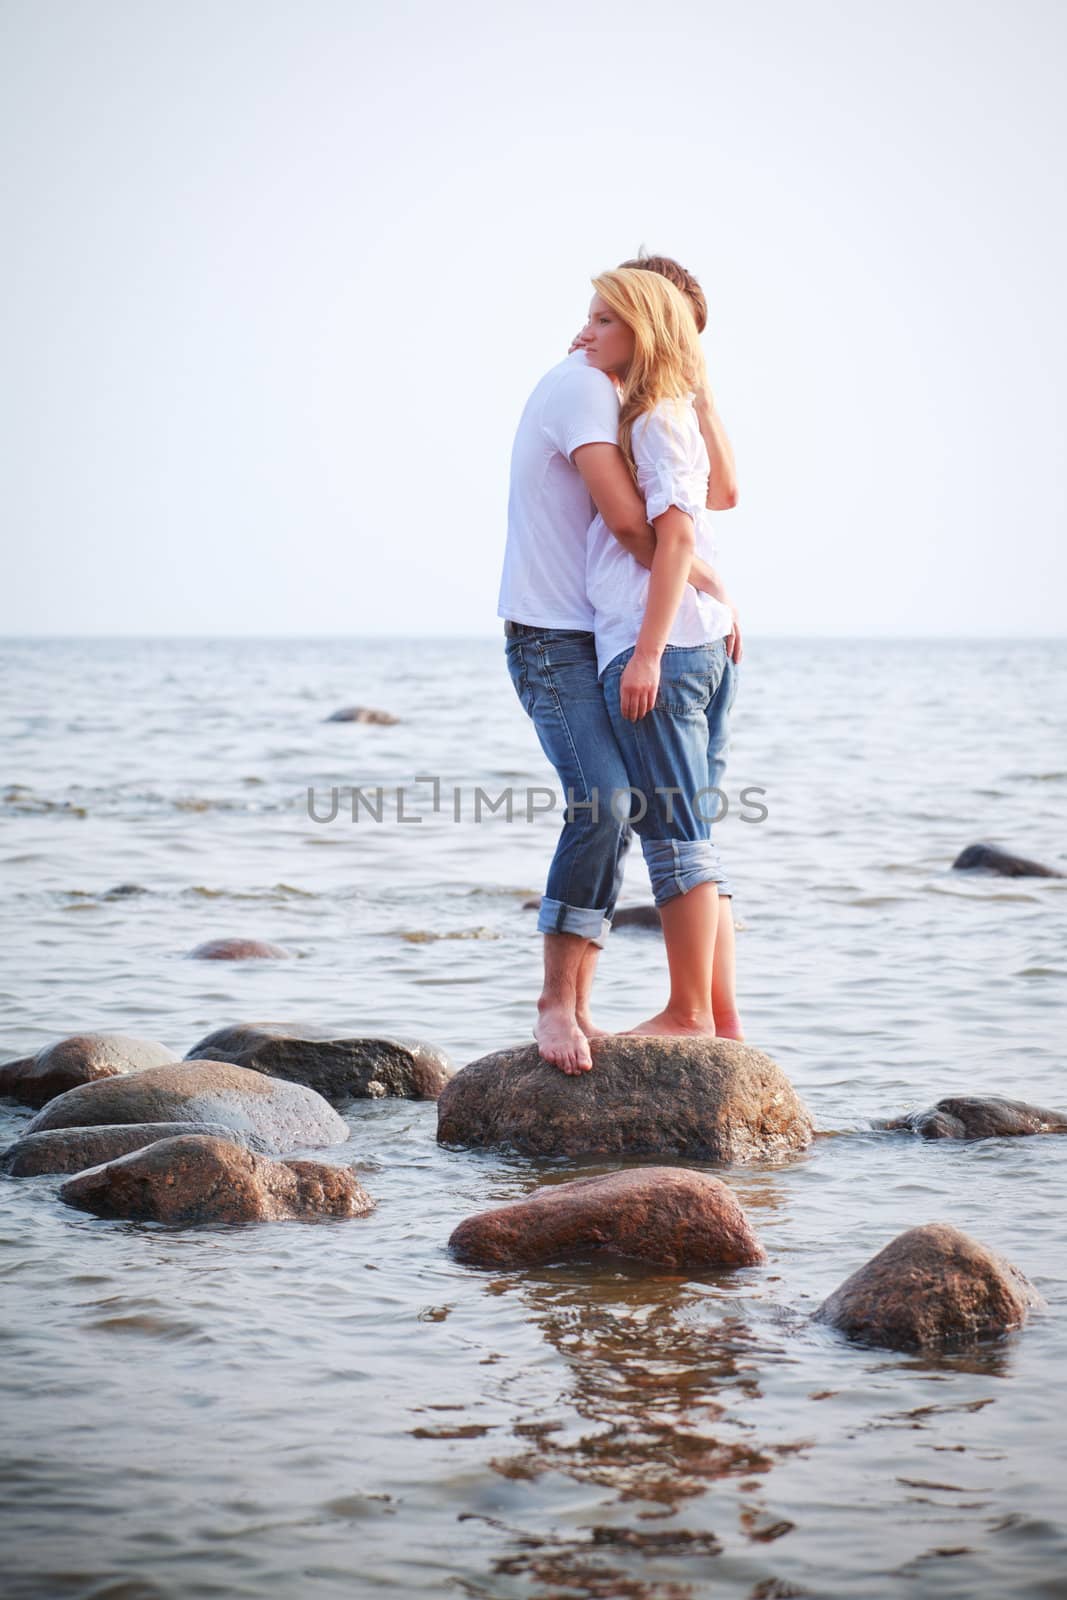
(706, 1099)
(668, 1215)
(284, 1115)
(74, 1149)
(980, 1117)
(988, 858)
(382, 719)
(237, 950)
(197, 1178)
(932, 1288)
(77, 1059)
(335, 1065)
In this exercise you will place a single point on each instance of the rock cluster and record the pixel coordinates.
(980, 1117)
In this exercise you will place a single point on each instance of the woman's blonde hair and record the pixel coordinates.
(668, 361)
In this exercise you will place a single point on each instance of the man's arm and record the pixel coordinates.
(722, 479)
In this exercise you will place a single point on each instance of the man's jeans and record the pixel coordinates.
(676, 759)
(555, 676)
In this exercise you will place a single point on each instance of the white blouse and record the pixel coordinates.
(672, 470)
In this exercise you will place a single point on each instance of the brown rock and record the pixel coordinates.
(705, 1099)
(988, 858)
(337, 1066)
(383, 719)
(79, 1058)
(284, 1115)
(981, 1117)
(237, 950)
(74, 1149)
(197, 1178)
(932, 1288)
(669, 1215)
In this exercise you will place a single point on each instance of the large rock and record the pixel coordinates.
(932, 1288)
(74, 1149)
(284, 1115)
(705, 1099)
(677, 1218)
(988, 858)
(79, 1058)
(338, 1066)
(383, 719)
(197, 1178)
(980, 1117)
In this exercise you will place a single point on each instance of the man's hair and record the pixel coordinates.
(675, 273)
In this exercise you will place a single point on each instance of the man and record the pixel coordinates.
(566, 465)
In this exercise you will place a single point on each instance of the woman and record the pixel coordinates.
(661, 645)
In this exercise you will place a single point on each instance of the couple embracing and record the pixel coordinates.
(624, 646)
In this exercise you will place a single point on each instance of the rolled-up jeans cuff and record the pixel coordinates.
(557, 917)
(677, 865)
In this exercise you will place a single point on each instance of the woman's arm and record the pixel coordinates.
(722, 478)
(675, 543)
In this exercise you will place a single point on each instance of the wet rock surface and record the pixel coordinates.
(284, 1115)
(79, 1058)
(980, 1117)
(335, 1066)
(705, 1099)
(1002, 863)
(932, 1288)
(237, 950)
(197, 1178)
(74, 1149)
(666, 1215)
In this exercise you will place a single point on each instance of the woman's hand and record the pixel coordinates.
(733, 638)
(639, 686)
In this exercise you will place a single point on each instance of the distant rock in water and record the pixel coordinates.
(627, 917)
(988, 858)
(980, 1117)
(704, 1099)
(74, 1149)
(637, 917)
(384, 719)
(668, 1215)
(284, 1115)
(237, 950)
(932, 1288)
(122, 891)
(197, 1178)
(337, 1066)
(79, 1058)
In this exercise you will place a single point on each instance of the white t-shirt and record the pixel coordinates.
(672, 470)
(549, 507)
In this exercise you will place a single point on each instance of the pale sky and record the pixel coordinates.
(279, 274)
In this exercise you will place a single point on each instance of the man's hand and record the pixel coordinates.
(639, 686)
(579, 342)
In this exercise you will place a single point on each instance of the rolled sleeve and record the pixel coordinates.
(663, 455)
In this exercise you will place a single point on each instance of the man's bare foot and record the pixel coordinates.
(589, 1028)
(698, 1024)
(561, 1041)
(728, 1025)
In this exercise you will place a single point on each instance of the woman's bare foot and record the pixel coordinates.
(561, 1041)
(700, 1024)
(728, 1025)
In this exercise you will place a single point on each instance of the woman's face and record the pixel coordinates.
(608, 342)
